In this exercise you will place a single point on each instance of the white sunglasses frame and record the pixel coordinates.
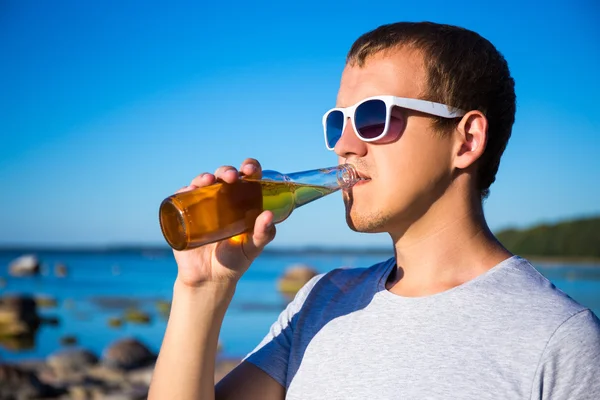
(425, 106)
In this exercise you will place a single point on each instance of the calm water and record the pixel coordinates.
(142, 279)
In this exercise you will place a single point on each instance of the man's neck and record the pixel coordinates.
(448, 246)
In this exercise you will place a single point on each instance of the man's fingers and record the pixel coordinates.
(186, 189)
(203, 180)
(227, 173)
(251, 168)
(264, 232)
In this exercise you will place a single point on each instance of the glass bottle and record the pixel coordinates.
(219, 211)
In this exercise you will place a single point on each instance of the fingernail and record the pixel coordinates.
(250, 168)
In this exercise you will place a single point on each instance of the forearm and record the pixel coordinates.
(186, 363)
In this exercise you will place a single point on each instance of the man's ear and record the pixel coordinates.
(471, 139)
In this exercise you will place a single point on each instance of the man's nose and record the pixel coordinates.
(349, 143)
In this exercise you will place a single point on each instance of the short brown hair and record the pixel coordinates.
(464, 71)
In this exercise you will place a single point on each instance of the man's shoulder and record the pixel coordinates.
(344, 280)
(523, 286)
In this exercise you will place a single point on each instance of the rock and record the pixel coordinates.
(115, 322)
(142, 375)
(110, 376)
(60, 270)
(136, 316)
(35, 365)
(110, 303)
(127, 354)
(88, 391)
(18, 316)
(18, 383)
(68, 361)
(81, 392)
(135, 392)
(27, 265)
(294, 278)
(45, 301)
(18, 343)
(164, 308)
(91, 391)
(68, 340)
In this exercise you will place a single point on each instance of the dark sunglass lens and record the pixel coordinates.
(370, 119)
(397, 125)
(333, 127)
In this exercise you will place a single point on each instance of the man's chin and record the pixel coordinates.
(363, 224)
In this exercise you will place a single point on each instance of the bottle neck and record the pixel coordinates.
(333, 178)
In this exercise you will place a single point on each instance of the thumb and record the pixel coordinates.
(263, 234)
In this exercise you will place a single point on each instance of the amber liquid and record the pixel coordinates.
(220, 211)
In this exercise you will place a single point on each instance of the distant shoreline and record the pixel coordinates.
(275, 251)
(309, 250)
(592, 261)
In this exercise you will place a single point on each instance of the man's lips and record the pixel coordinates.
(363, 176)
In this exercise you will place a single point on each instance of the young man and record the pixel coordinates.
(425, 113)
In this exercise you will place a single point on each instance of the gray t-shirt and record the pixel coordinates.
(507, 334)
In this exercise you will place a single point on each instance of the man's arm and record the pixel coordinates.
(186, 365)
(205, 284)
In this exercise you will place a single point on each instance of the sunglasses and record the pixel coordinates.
(372, 117)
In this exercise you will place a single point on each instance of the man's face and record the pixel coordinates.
(410, 169)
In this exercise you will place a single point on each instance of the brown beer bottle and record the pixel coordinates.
(220, 211)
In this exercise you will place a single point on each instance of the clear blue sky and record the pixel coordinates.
(107, 108)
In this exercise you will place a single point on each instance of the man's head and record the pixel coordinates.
(428, 156)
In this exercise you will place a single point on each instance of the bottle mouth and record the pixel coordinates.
(347, 176)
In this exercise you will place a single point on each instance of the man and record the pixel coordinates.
(453, 315)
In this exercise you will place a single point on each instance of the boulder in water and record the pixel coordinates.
(294, 278)
(136, 316)
(71, 360)
(18, 316)
(68, 340)
(27, 265)
(115, 322)
(60, 270)
(43, 301)
(18, 383)
(128, 354)
(164, 308)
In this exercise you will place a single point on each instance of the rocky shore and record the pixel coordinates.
(122, 370)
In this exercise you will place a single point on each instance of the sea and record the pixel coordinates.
(103, 285)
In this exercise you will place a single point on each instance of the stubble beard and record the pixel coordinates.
(367, 221)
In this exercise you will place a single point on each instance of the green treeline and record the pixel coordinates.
(575, 238)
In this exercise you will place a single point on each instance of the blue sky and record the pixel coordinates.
(107, 108)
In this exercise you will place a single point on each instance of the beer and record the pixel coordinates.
(222, 210)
